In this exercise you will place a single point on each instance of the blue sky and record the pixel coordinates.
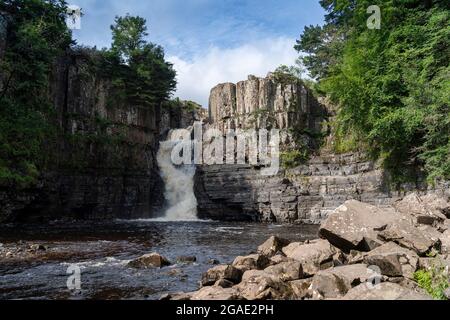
(209, 41)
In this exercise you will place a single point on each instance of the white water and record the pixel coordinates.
(179, 184)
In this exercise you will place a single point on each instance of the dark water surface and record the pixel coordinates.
(102, 252)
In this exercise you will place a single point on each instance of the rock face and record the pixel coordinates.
(304, 194)
(107, 152)
(264, 103)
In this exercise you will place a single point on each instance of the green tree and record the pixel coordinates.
(392, 84)
(128, 34)
(36, 35)
(138, 68)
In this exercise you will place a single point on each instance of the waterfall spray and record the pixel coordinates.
(179, 183)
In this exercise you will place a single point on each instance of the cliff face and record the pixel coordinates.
(105, 166)
(264, 103)
(306, 194)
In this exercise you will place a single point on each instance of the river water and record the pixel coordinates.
(102, 252)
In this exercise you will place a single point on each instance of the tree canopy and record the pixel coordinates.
(391, 84)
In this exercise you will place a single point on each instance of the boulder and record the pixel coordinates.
(301, 288)
(404, 233)
(428, 210)
(224, 283)
(315, 256)
(336, 282)
(437, 204)
(226, 272)
(355, 226)
(259, 285)
(279, 258)
(384, 291)
(286, 271)
(216, 293)
(186, 259)
(445, 242)
(152, 260)
(393, 260)
(179, 296)
(251, 262)
(272, 246)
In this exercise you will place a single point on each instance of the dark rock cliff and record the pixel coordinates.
(105, 164)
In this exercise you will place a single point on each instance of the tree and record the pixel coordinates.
(37, 34)
(128, 34)
(391, 85)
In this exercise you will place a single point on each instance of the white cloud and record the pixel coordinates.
(197, 77)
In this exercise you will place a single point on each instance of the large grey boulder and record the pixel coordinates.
(259, 285)
(393, 260)
(428, 209)
(384, 291)
(272, 246)
(404, 233)
(226, 272)
(336, 282)
(152, 260)
(355, 226)
(286, 271)
(254, 261)
(315, 256)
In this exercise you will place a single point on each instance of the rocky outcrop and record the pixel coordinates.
(323, 269)
(105, 163)
(263, 103)
(305, 194)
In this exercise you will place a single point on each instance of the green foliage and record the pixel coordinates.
(292, 159)
(36, 35)
(435, 280)
(138, 70)
(285, 75)
(392, 84)
(128, 35)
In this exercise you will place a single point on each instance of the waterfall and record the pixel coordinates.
(179, 183)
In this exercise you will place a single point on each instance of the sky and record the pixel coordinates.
(208, 41)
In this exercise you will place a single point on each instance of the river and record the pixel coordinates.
(102, 252)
